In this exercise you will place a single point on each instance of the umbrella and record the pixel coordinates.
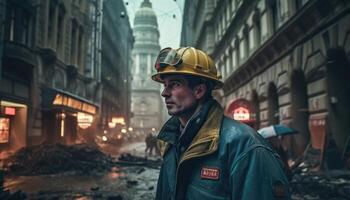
(276, 130)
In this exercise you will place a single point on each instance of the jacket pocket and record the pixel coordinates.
(196, 192)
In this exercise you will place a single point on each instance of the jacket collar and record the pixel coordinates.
(205, 141)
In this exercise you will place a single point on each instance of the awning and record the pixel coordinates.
(55, 98)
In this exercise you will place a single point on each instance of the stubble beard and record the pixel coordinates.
(185, 112)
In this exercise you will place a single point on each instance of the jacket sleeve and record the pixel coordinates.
(258, 174)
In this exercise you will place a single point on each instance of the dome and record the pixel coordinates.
(145, 15)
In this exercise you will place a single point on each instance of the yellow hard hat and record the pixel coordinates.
(186, 60)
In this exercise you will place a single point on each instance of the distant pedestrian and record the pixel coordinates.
(148, 143)
(153, 145)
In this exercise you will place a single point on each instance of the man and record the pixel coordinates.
(148, 149)
(205, 154)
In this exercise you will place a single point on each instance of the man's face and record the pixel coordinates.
(180, 99)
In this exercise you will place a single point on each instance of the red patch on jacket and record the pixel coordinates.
(210, 173)
(278, 190)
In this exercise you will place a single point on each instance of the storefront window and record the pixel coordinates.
(4, 130)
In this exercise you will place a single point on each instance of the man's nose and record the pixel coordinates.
(165, 92)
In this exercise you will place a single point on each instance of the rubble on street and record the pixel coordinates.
(128, 175)
(122, 176)
(129, 159)
(57, 158)
(320, 185)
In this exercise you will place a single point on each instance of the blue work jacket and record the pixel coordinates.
(218, 158)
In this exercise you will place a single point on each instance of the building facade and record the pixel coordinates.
(147, 107)
(117, 43)
(282, 61)
(49, 85)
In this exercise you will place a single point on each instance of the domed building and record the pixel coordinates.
(146, 102)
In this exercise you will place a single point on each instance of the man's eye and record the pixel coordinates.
(175, 84)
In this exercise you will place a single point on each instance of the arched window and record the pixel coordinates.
(272, 15)
(61, 29)
(257, 28)
(245, 42)
(228, 11)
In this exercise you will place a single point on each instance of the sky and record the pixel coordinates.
(169, 16)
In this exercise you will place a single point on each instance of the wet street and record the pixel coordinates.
(131, 177)
(124, 181)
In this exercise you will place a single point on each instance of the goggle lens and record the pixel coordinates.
(167, 56)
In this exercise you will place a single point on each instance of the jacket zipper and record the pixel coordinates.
(181, 162)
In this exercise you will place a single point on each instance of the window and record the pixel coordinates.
(228, 14)
(4, 130)
(73, 49)
(257, 28)
(60, 28)
(237, 45)
(25, 27)
(223, 25)
(17, 24)
(233, 6)
(80, 49)
(10, 26)
(245, 42)
(272, 14)
(283, 7)
(50, 29)
(218, 32)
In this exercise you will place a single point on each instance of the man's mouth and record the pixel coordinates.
(169, 102)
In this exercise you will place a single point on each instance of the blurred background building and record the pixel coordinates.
(282, 61)
(146, 105)
(51, 85)
(117, 43)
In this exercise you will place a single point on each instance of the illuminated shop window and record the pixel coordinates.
(4, 130)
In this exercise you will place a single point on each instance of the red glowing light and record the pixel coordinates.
(10, 111)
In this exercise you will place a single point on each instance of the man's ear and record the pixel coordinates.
(200, 90)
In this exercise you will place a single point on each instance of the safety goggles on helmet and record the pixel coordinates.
(167, 56)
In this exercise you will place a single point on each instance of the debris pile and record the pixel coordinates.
(131, 158)
(128, 159)
(333, 185)
(56, 158)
